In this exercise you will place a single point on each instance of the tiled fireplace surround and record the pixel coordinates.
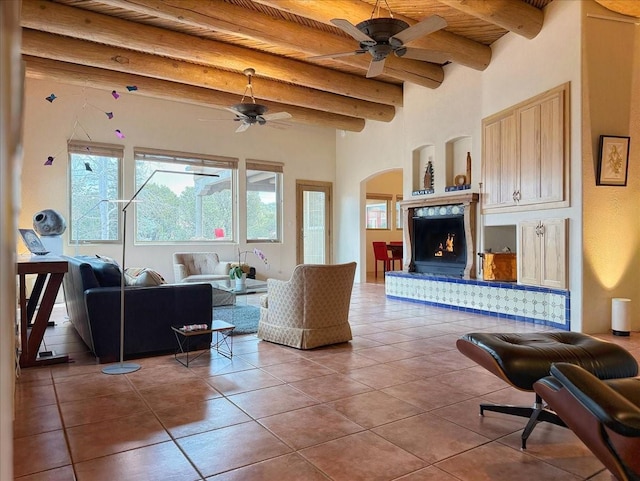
(507, 300)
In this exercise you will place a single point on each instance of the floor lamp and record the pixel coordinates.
(122, 367)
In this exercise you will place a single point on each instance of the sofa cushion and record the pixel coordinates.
(106, 271)
(142, 277)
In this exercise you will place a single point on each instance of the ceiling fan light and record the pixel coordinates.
(381, 29)
(250, 109)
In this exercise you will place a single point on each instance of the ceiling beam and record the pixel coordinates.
(513, 15)
(51, 70)
(234, 20)
(65, 49)
(78, 23)
(460, 49)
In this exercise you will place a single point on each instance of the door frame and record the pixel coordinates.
(316, 186)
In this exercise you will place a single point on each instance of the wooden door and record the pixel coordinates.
(529, 253)
(313, 222)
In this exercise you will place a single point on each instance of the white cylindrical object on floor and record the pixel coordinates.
(620, 316)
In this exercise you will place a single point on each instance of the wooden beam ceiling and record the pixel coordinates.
(195, 51)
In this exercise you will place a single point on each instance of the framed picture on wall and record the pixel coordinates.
(613, 160)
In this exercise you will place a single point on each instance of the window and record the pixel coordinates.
(377, 209)
(398, 212)
(264, 201)
(188, 197)
(94, 180)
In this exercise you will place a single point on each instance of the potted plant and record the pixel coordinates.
(238, 274)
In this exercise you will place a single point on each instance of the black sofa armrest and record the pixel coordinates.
(149, 314)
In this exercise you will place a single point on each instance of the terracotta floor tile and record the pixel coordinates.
(384, 406)
(216, 366)
(559, 447)
(89, 441)
(330, 388)
(290, 467)
(164, 396)
(30, 395)
(430, 473)
(64, 473)
(380, 376)
(429, 437)
(495, 462)
(220, 450)
(36, 420)
(158, 462)
(362, 457)
(51, 449)
(309, 426)
(237, 382)
(426, 394)
(102, 408)
(385, 353)
(374, 408)
(193, 418)
(491, 425)
(271, 400)
(268, 357)
(74, 388)
(297, 370)
(152, 376)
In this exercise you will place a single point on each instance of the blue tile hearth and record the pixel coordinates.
(506, 300)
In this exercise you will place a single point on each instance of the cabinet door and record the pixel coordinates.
(553, 254)
(529, 253)
(541, 151)
(500, 155)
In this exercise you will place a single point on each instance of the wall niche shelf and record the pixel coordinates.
(458, 164)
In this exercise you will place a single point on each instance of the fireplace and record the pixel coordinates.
(439, 235)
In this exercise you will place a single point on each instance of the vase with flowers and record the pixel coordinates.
(237, 273)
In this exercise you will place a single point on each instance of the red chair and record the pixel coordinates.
(381, 253)
(397, 253)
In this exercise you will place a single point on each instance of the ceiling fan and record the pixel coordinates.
(251, 113)
(384, 35)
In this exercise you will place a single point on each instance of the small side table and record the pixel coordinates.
(223, 341)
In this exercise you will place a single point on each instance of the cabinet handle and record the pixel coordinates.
(514, 196)
(518, 196)
(541, 229)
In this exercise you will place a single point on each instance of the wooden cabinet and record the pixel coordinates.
(499, 145)
(525, 154)
(542, 253)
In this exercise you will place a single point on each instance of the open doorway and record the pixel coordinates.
(383, 221)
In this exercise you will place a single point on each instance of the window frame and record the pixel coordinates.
(200, 163)
(276, 168)
(386, 198)
(75, 147)
(398, 213)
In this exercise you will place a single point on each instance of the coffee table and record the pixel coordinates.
(252, 286)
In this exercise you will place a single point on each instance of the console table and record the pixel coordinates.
(49, 271)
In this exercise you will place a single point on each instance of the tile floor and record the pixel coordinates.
(397, 403)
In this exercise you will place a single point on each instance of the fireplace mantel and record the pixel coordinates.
(468, 202)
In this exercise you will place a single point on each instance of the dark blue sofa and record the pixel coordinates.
(92, 294)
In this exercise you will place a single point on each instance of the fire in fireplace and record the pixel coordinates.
(439, 244)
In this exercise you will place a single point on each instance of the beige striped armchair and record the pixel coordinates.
(309, 310)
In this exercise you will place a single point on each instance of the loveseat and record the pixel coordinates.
(92, 295)
(205, 267)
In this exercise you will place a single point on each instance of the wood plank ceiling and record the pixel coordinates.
(195, 51)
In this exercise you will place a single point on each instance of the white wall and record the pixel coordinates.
(520, 68)
(307, 152)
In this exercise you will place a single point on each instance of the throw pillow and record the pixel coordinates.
(107, 274)
(142, 277)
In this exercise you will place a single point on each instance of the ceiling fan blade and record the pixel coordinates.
(337, 55)
(435, 56)
(277, 116)
(352, 30)
(376, 67)
(427, 26)
(242, 127)
(234, 111)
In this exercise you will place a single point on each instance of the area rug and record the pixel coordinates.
(245, 318)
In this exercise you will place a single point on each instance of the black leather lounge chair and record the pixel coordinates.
(524, 358)
(605, 415)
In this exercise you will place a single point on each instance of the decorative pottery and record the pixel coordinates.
(49, 222)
